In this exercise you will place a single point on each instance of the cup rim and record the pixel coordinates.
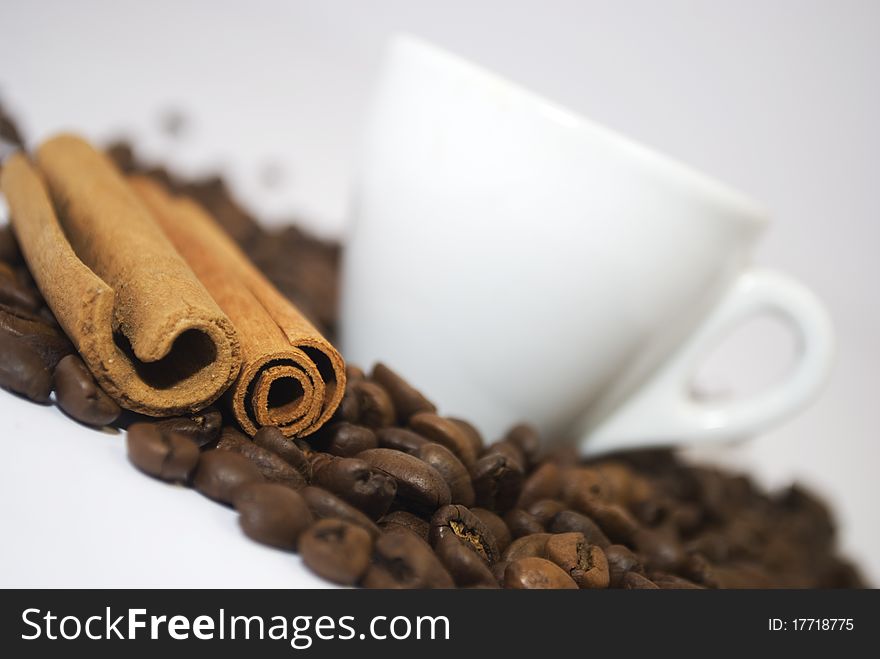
(408, 45)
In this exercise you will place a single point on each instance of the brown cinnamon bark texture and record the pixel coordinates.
(151, 334)
(291, 377)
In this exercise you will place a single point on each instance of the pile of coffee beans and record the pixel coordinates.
(392, 494)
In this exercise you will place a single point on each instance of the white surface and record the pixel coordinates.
(565, 269)
(777, 98)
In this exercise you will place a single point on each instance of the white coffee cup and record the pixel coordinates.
(516, 261)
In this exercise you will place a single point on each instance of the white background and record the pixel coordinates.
(779, 98)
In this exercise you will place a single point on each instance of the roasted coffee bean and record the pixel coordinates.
(401, 439)
(543, 483)
(324, 504)
(569, 520)
(528, 545)
(336, 550)
(344, 439)
(666, 581)
(636, 581)
(220, 473)
(627, 487)
(583, 562)
(498, 569)
(165, 455)
(272, 514)
(620, 562)
(446, 432)
(16, 294)
(455, 474)
(349, 407)
(563, 455)
(475, 439)
(660, 549)
(536, 573)
(41, 336)
(419, 485)
(528, 439)
(9, 252)
(458, 521)
(497, 482)
(272, 466)
(407, 399)
(583, 487)
(203, 427)
(402, 560)
(272, 439)
(375, 409)
(466, 567)
(368, 489)
(616, 521)
(522, 523)
(403, 519)
(22, 370)
(77, 394)
(511, 450)
(497, 528)
(545, 510)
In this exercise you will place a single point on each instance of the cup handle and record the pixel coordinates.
(664, 411)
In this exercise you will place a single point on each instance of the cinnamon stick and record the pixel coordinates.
(292, 377)
(148, 330)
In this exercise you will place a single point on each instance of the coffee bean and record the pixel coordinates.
(324, 504)
(528, 439)
(419, 485)
(41, 336)
(336, 550)
(165, 455)
(584, 563)
(403, 519)
(509, 449)
(466, 567)
(660, 549)
(400, 439)
(569, 520)
(582, 487)
(368, 489)
(616, 521)
(451, 469)
(522, 523)
(203, 427)
(497, 528)
(528, 545)
(344, 439)
(543, 483)
(272, 514)
(620, 562)
(498, 570)
(458, 521)
(349, 407)
(497, 482)
(475, 439)
(406, 399)
(545, 510)
(272, 439)
(536, 573)
(77, 394)
(635, 581)
(9, 252)
(445, 432)
(375, 407)
(402, 560)
(14, 293)
(666, 581)
(22, 370)
(272, 466)
(220, 473)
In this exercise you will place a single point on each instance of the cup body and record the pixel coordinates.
(516, 261)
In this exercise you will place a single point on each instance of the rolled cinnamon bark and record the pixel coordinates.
(148, 330)
(292, 377)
